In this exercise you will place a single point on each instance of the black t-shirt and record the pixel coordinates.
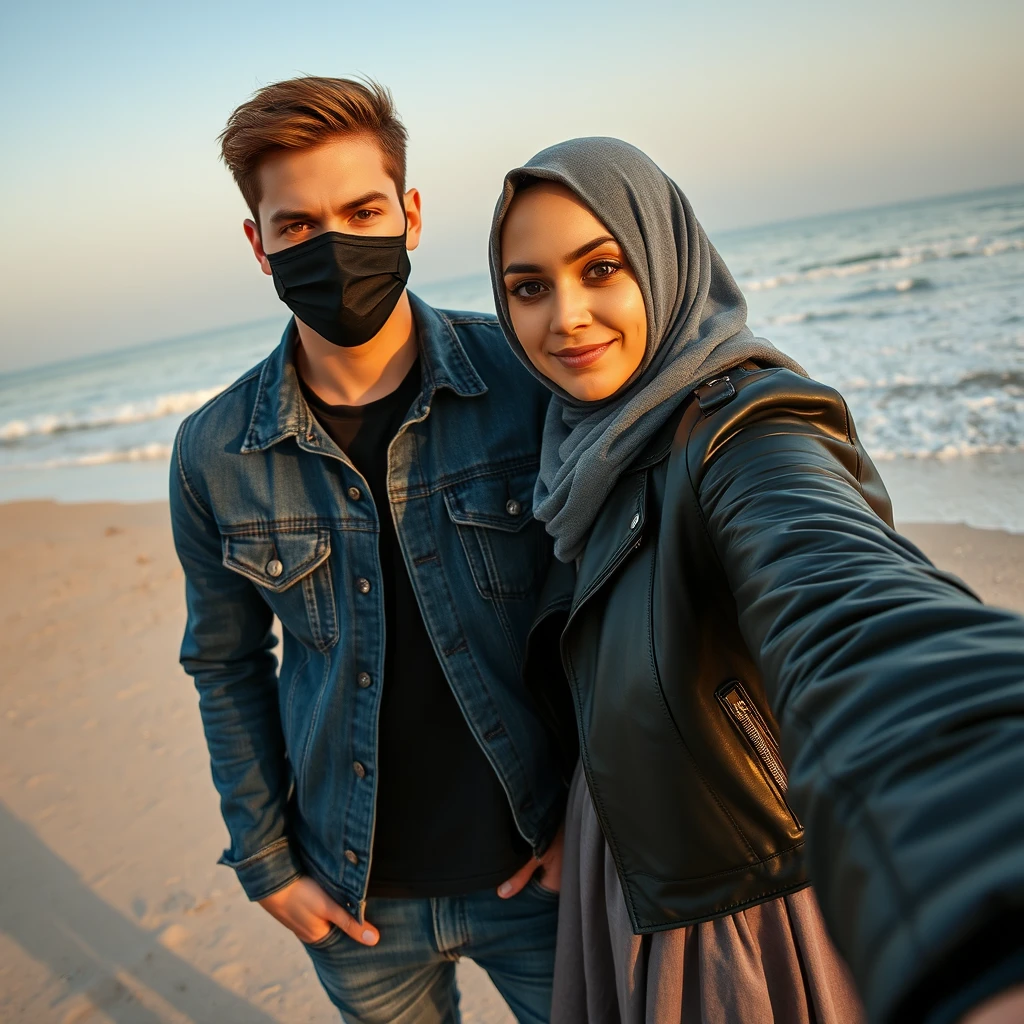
(444, 825)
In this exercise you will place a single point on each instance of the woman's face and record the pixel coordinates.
(575, 305)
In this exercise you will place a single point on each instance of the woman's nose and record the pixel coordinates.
(570, 311)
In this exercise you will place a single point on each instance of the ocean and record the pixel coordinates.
(915, 312)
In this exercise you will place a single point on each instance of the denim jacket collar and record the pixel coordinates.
(280, 411)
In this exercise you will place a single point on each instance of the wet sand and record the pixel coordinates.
(112, 907)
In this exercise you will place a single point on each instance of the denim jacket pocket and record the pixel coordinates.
(292, 570)
(502, 540)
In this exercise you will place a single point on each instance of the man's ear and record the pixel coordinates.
(413, 219)
(252, 232)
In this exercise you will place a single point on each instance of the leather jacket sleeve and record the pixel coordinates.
(900, 699)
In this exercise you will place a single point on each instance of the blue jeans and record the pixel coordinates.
(409, 976)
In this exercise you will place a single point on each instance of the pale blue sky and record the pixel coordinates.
(122, 227)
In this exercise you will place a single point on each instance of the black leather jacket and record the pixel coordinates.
(744, 573)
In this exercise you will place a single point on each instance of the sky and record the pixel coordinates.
(122, 227)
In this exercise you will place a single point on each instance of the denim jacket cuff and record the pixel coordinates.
(551, 823)
(268, 870)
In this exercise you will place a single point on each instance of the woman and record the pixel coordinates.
(735, 568)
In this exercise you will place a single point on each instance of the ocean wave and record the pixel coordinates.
(785, 319)
(175, 403)
(1011, 379)
(142, 453)
(938, 416)
(890, 259)
(851, 261)
(964, 450)
(905, 385)
(904, 284)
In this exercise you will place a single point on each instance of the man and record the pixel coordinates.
(391, 794)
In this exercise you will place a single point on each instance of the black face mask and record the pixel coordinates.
(343, 286)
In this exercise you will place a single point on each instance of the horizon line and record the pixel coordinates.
(888, 205)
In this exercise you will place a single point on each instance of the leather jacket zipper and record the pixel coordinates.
(737, 704)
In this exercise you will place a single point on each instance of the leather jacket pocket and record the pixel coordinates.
(502, 540)
(292, 570)
(759, 739)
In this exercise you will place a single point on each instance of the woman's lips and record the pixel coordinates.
(584, 355)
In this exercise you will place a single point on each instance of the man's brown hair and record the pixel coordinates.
(301, 113)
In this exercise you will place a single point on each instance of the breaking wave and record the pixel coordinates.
(891, 259)
(176, 403)
(905, 386)
(142, 453)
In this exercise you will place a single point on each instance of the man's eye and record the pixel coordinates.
(296, 228)
(365, 214)
(528, 289)
(603, 269)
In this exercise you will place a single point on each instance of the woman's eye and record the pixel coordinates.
(603, 269)
(528, 289)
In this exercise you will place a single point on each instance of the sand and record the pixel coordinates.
(112, 907)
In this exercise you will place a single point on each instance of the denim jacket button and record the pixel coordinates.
(513, 507)
(363, 585)
(354, 493)
(351, 857)
(363, 679)
(274, 568)
(359, 769)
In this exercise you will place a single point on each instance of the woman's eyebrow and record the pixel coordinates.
(572, 257)
(520, 268)
(576, 254)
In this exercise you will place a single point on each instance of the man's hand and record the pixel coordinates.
(308, 911)
(549, 866)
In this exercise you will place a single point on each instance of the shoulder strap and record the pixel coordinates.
(720, 390)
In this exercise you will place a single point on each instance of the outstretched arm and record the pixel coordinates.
(901, 704)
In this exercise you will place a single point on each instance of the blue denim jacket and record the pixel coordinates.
(270, 518)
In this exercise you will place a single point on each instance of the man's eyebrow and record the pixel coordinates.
(283, 215)
(571, 257)
(368, 197)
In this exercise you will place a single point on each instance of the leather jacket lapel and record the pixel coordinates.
(617, 531)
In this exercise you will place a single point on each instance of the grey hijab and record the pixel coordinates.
(696, 326)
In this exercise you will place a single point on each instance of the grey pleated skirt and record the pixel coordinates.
(771, 963)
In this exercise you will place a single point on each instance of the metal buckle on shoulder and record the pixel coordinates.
(714, 393)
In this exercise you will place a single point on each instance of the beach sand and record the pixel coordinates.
(112, 907)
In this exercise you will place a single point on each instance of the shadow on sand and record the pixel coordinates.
(89, 945)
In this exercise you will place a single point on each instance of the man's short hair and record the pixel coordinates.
(301, 113)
